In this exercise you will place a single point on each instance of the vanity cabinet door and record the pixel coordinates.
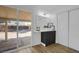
(44, 37)
(52, 36)
(48, 37)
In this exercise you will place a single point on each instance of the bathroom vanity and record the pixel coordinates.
(48, 33)
(48, 37)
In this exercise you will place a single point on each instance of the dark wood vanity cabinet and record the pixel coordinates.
(48, 37)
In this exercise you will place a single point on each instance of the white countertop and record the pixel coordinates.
(44, 30)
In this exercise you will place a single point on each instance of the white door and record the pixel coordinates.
(63, 29)
(74, 30)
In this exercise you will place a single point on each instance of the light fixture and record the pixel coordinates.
(43, 14)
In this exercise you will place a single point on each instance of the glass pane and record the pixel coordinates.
(24, 33)
(2, 30)
(2, 36)
(12, 34)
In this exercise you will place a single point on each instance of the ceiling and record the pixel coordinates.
(49, 8)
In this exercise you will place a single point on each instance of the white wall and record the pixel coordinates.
(35, 35)
(63, 28)
(74, 29)
(68, 26)
(40, 21)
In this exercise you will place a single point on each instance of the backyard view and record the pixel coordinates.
(8, 40)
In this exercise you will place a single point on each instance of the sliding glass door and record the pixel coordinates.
(14, 34)
(24, 33)
(2, 35)
(8, 35)
(2, 30)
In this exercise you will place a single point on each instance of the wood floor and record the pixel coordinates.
(54, 48)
